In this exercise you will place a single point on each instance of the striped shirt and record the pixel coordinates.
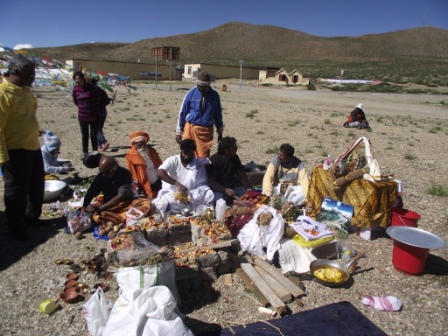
(87, 99)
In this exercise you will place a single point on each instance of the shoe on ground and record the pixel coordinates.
(105, 146)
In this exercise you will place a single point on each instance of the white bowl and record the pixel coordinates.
(53, 189)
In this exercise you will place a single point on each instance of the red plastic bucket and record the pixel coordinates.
(404, 217)
(409, 259)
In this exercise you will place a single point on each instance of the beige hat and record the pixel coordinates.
(360, 106)
(203, 79)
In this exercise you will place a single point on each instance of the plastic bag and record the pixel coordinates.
(133, 216)
(96, 311)
(73, 218)
(295, 195)
(85, 223)
(135, 249)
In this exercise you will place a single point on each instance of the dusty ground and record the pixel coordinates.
(409, 137)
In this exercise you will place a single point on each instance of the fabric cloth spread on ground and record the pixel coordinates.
(372, 200)
(337, 319)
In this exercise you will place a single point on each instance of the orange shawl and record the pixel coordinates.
(137, 166)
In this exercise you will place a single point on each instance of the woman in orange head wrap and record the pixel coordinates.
(142, 161)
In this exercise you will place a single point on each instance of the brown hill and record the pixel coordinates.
(260, 45)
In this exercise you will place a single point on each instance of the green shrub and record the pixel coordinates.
(437, 190)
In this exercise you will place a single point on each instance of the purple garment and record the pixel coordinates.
(87, 99)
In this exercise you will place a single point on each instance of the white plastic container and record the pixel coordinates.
(220, 209)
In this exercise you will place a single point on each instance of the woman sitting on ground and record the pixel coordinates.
(50, 152)
(357, 118)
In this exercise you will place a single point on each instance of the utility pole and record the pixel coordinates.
(241, 73)
(342, 75)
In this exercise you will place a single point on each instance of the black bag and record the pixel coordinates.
(92, 160)
(104, 98)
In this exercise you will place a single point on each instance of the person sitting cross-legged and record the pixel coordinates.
(143, 161)
(285, 168)
(227, 177)
(184, 179)
(115, 183)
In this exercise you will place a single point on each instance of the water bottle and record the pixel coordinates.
(135, 189)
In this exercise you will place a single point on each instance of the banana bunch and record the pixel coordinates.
(51, 177)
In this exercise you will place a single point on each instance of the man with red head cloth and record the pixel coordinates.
(143, 161)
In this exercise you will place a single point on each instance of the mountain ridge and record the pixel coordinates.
(273, 46)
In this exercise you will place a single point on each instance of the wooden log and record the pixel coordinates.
(251, 286)
(278, 288)
(270, 295)
(277, 275)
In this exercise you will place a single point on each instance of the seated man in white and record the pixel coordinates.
(286, 168)
(184, 179)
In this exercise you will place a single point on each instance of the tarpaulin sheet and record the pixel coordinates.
(337, 319)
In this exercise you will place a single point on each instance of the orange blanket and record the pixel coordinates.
(117, 214)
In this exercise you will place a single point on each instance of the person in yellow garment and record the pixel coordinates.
(20, 155)
(285, 168)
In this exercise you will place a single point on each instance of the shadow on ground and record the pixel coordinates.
(12, 251)
(195, 299)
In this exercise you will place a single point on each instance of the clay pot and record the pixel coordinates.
(71, 283)
(72, 276)
(69, 296)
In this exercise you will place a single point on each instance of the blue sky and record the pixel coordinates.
(49, 23)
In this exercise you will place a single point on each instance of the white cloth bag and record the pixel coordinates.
(254, 238)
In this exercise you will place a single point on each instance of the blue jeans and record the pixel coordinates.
(101, 120)
(239, 191)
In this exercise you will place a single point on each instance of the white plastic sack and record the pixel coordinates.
(133, 216)
(151, 313)
(295, 195)
(253, 238)
(96, 312)
(130, 279)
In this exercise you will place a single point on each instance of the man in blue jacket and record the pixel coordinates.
(200, 111)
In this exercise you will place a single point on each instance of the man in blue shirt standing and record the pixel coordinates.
(200, 111)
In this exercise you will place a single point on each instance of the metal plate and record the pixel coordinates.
(323, 263)
(416, 237)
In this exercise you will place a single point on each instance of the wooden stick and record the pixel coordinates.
(273, 326)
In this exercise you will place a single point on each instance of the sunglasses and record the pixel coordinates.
(139, 144)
